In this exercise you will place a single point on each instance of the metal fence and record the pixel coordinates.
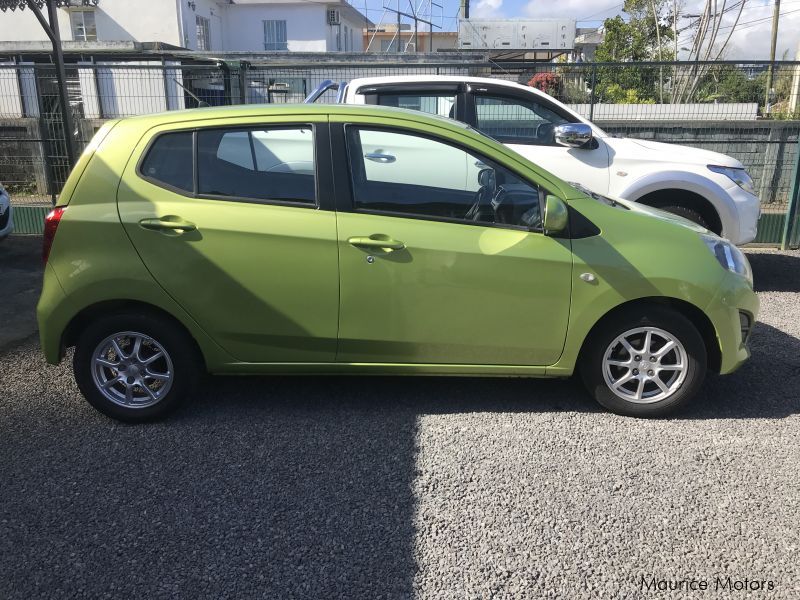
(720, 106)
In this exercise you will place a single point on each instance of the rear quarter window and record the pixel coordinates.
(169, 161)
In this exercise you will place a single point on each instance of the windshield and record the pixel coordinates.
(599, 197)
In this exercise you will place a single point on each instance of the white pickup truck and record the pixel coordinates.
(706, 187)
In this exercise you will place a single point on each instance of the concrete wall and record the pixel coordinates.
(306, 30)
(232, 27)
(208, 9)
(117, 20)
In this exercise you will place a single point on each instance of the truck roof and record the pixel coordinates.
(390, 79)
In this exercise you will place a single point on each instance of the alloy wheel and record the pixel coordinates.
(132, 369)
(645, 365)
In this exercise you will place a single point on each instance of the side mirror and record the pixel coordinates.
(573, 135)
(555, 215)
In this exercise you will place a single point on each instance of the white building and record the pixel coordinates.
(210, 25)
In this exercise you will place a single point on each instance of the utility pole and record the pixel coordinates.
(775, 15)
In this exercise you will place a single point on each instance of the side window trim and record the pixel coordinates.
(319, 140)
(348, 203)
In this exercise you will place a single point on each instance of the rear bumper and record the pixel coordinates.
(734, 300)
(51, 316)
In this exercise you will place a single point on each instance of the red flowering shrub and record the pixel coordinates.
(545, 82)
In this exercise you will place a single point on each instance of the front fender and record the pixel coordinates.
(715, 193)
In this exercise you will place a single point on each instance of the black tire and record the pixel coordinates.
(185, 361)
(593, 356)
(687, 213)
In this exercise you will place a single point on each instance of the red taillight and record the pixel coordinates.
(50, 225)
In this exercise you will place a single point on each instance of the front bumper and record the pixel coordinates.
(734, 300)
(748, 208)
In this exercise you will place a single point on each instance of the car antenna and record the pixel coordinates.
(200, 103)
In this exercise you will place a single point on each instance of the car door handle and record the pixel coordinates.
(376, 241)
(380, 157)
(169, 222)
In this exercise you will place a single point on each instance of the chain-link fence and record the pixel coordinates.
(720, 106)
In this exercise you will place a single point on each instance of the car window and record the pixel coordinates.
(435, 104)
(414, 175)
(510, 120)
(259, 164)
(169, 161)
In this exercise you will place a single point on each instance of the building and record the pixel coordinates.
(203, 25)
(384, 38)
(586, 42)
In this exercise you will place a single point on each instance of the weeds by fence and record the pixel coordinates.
(718, 106)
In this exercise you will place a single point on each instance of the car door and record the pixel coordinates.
(438, 272)
(526, 122)
(236, 224)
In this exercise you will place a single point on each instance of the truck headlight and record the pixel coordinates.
(737, 176)
(729, 256)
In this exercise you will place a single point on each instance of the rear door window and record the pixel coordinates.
(263, 164)
(442, 104)
(169, 161)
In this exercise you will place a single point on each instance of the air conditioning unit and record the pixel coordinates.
(333, 16)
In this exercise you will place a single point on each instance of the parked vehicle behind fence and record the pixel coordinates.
(287, 239)
(6, 217)
(711, 189)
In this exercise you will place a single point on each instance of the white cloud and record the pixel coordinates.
(571, 9)
(487, 9)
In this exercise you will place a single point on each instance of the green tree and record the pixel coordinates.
(645, 36)
(728, 83)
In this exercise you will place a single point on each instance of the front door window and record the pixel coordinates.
(514, 121)
(407, 174)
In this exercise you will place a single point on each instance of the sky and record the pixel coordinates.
(750, 40)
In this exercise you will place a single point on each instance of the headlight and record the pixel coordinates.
(729, 256)
(737, 176)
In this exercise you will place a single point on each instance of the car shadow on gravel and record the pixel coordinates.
(278, 487)
(775, 272)
(765, 387)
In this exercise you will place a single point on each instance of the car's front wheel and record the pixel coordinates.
(646, 364)
(135, 367)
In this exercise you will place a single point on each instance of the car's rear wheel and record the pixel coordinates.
(646, 364)
(135, 367)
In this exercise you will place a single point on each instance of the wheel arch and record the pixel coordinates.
(695, 315)
(682, 197)
(108, 307)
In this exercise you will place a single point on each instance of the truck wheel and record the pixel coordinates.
(644, 364)
(686, 213)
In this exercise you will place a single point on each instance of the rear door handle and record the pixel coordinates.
(380, 157)
(383, 242)
(168, 223)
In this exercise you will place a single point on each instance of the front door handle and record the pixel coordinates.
(380, 157)
(383, 242)
(168, 223)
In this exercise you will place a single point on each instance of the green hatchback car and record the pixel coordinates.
(291, 239)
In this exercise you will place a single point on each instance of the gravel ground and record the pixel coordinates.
(406, 487)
